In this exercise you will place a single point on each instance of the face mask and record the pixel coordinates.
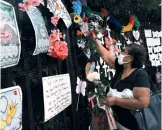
(120, 59)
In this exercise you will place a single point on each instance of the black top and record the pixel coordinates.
(124, 117)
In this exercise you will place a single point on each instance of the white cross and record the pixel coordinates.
(98, 67)
(101, 61)
(110, 70)
(119, 45)
(105, 66)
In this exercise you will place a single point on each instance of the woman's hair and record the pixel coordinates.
(138, 53)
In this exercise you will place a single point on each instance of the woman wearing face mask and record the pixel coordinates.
(126, 66)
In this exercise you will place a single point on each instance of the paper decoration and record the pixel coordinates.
(136, 34)
(157, 34)
(148, 33)
(42, 2)
(10, 44)
(90, 67)
(57, 94)
(58, 9)
(11, 108)
(41, 34)
(80, 88)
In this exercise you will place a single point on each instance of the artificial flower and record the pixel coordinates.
(85, 19)
(55, 35)
(94, 76)
(99, 35)
(35, 2)
(77, 7)
(22, 7)
(79, 33)
(27, 3)
(77, 19)
(104, 12)
(84, 28)
(59, 50)
(54, 20)
(91, 34)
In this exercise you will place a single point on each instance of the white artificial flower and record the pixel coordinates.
(94, 76)
(99, 35)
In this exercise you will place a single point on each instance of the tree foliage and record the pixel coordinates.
(121, 9)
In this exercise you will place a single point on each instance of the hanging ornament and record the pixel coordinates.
(80, 89)
(98, 67)
(101, 61)
(105, 67)
(90, 67)
(136, 34)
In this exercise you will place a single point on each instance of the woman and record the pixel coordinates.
(126, 65)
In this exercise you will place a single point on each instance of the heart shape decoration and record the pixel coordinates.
(90, 67)
(136, 35)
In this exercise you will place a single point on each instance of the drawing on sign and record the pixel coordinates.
(58, 9)
(41, 34)
(9, 36)
(11, 108)
(57, 94)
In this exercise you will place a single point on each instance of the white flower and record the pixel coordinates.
(93, 76)
(99, 35)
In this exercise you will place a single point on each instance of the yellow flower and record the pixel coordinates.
(77, 18)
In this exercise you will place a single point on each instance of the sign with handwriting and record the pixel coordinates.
(57, 94)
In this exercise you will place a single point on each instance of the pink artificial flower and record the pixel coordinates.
(35, 2)
(58, 49)
(54, 20)
(55, 35)
(22, 7)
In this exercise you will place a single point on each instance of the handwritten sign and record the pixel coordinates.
(10, 44)
(57, 94)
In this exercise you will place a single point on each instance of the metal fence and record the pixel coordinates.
(30, 70)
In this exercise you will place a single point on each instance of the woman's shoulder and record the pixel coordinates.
(141, 72)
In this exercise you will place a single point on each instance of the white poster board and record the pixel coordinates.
(57, 94)
(10, 45)
(41, 34)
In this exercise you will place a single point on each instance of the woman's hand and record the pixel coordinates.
(110, 101)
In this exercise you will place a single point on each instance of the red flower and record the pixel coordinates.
(59, 50)
(91, 34)
(85, 19)
(104, 12)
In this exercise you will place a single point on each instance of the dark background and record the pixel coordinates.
(30, 69)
